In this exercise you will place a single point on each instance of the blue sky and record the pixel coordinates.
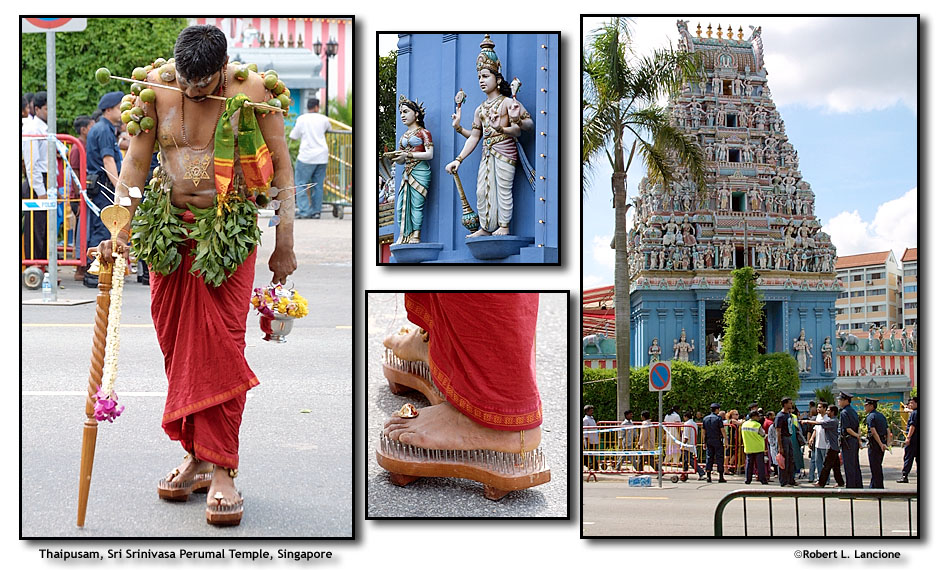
(847, 91)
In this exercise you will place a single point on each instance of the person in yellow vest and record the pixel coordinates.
(753, 439)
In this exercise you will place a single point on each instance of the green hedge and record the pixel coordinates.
(766, 380)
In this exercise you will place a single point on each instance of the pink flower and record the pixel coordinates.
(106, 408)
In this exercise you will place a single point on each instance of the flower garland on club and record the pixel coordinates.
(277, 299)
(105, 406)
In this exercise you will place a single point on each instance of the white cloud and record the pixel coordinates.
(894, 227)
(841, 64)
(594, 281)
(602, 252)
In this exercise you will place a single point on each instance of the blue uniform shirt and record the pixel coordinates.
(712, 425)
(102, 141)
(912, 421)
(876, 420)
(848, 418)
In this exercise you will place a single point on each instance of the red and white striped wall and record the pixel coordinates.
(852, 363)
(600, 363)
(304, 30)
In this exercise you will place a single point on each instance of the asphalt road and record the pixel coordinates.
(611, 508)
(295, 471)
(448, 497)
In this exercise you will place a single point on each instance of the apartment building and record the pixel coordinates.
(909, 286)
(871, 294)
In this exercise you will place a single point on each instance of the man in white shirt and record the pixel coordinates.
(689, 441)
(673, 435)
(819, 443)
(312, 160)
(36, 160)
(590, 438)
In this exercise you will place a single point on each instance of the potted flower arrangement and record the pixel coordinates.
(278, 307)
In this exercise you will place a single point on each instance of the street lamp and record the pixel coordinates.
(331, 49)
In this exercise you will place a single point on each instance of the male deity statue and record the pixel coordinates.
(682, 349)
(827, 351)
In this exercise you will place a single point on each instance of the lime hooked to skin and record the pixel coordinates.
(125, 106)
(133, 128)
(136, 88)
(148, 95)
(270, 79)
(102, 75)
(126, 116)
(139, 73)
(242, 73)
(147, 123)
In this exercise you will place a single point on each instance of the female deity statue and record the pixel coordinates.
(802, 348)
(874, 345)
(827, 351)
(415, 151)
(497, 122)
(654, 351)
(682, 349)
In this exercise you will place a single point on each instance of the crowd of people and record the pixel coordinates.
(104, 139)
(792, 446)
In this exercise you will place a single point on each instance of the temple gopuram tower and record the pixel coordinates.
(757, 210)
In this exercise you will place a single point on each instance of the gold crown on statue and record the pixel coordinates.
(488, 59)
(414, 104)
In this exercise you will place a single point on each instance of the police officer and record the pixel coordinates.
(849, 440)
(715, 432)
(104, 162)
(783, 423)
(911, 445)
(878, 440)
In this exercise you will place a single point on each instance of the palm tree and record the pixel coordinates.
(620, 94)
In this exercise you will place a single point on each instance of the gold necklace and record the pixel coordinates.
(185, 138)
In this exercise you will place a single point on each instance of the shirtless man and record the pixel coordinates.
(185, 129)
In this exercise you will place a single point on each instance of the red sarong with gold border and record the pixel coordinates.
(482, 354)
(201, 333)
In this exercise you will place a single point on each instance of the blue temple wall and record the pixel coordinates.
(432, 68)
(663, 313)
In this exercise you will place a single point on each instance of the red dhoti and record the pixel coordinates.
(201, 333)
(482, 354)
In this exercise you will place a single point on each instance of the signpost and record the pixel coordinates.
(49, 26)
(659, 381)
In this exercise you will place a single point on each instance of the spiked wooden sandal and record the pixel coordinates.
(170, 489)
(406, 375)
(225, 515)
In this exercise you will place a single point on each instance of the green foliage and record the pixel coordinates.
(386, 102)
(342, 112)
(120, 44)
(765, 380)
(825, 395)
(293, 144)
(158, 231)
(892, 416)
(223, 242)
(742, 318)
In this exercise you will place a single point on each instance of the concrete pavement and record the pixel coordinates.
(296, 443)
(611, 508)
(446, 497)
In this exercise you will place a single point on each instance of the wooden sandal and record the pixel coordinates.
(225, 515)
(169, 489)
(406, 375)
(498, 471)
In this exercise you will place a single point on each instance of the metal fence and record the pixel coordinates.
(338, 174)
(894, 501)
(613, 448)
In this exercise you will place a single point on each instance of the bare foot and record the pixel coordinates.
(501, 231)
(222, 487)
(187, 470)
(409, 345)
(444, 427)
(478, 233)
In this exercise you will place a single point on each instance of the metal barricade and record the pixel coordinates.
(337, 189)
(72, 228)
(613, 448)
(821, 495)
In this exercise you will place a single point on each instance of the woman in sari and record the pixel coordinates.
(415, 151)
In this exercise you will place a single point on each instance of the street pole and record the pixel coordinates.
(51, 177)
(660, 439)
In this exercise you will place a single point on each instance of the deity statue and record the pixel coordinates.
(497, 123)
(682, 349)
(802, 348)
(415, 151)
(654, 351)
(874, 345)
(827, 351)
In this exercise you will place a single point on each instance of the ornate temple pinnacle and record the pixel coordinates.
(699, 30)
(719, 31)
(709, 31)
(730, 34)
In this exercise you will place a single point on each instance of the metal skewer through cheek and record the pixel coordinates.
(219, 98)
